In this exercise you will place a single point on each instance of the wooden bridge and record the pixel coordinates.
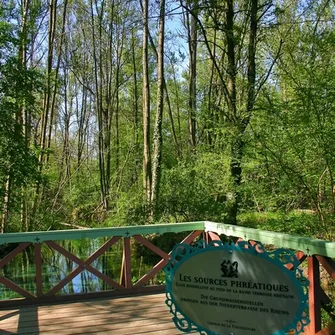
(136, 315)
(128, 305)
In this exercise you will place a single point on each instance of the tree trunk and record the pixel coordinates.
(136, 112)
(240, 122)
(146, 108)
(22, 117)
(157, 152)
(48, 95)
(192, 99)
(166, 92)
(5, 205)
(210, 123)
(82, 120)
(55, 87)
(99, 110)
(236, 144)
(252, 61)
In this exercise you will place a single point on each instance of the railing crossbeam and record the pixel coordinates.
(14, 287)
(82, 265)
(5, 260)
(151, 247)
(328, 264)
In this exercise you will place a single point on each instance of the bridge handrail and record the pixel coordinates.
(77, 234)
(308, 245)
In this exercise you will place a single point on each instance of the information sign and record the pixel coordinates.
(228, 289)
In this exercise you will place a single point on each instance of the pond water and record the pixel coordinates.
(56, 267)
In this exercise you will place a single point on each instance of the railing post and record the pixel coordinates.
(314, 297)
(205, 236)
(38, 269)
(126, 263)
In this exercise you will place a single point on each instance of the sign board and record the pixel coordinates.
(228, 289)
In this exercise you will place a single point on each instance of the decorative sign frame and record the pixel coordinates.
(236, 289)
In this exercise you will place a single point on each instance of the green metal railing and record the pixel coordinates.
(77, 234)
(307, 245)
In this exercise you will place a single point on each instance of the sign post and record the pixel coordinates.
(236, 289)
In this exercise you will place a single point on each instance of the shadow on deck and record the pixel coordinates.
(145, 314)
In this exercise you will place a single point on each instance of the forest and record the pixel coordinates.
(128, 112)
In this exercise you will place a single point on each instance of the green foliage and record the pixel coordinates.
(285, 151)
(298, 223)
(128, 209)
(18, 90)
(290, 159)
(195, 191)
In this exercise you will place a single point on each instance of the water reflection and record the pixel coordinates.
(55, 267)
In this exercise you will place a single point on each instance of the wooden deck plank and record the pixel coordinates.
(139, 315)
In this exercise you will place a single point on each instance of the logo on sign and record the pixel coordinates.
(229, 269)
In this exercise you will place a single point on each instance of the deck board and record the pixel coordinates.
(138, 315)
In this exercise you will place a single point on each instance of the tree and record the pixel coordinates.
(192, 39)
(232, 27)
(147, 175)
(157, 151)
(19, 87)
(294, 129)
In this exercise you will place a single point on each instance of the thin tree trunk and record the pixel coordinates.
(22, 117)
(210, 122)
(120, 33)
(252, 60)
(55, 87)
(103, 110)
(82, 121)
(180, 149)
(5, 205)
(136, 111)
(47, 95)
(146, 107)
(167, 97)
(67, 117)
(98, 105)
(45, 117)
(157, 152)
(241, 122)
(236, 145)
(192, 102)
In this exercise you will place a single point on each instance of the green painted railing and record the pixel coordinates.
(92, 233)
(308, 245)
